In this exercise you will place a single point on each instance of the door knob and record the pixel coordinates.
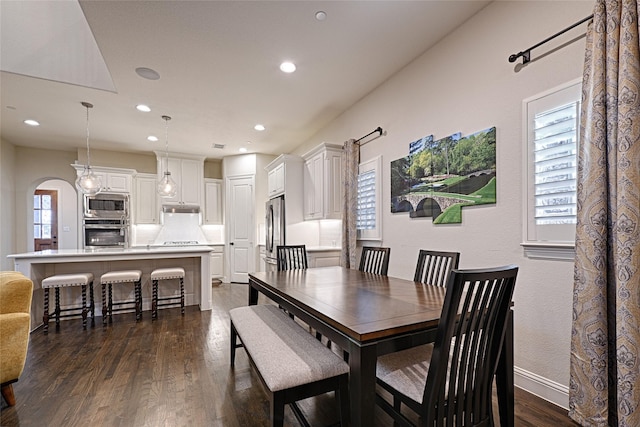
(231, 243)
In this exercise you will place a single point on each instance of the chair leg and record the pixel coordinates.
(57, 308)
(105, 312)
(182, 295)
(110, 306)
(45, 315)
(154, 299)
(138, 297)
(7, 394)
(84, 307)
(342, 397)
(92, 306)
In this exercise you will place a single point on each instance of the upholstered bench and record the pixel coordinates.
(290, 362)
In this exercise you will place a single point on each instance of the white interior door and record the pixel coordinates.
(240, 229)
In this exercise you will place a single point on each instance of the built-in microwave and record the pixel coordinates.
(106, 205)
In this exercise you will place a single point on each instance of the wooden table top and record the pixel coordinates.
(363, 306)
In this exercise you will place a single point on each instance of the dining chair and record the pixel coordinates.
(433, 267)
(449, 382)
(374, 260)
(292, 257)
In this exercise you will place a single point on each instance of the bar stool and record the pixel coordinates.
(123, 276)
(166, 274)
(62, 281)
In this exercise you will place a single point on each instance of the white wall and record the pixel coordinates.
(466, 84)
(7, 204)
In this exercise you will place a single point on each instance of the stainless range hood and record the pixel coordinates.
(181, 209)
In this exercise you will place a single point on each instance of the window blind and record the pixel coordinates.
(366, 205)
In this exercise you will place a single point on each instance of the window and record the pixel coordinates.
(552, 123)
(368, 221)
(42, 216)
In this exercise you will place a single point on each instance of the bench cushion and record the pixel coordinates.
(63, 280)
(284, 353)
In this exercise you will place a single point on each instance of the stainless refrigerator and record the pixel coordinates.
(275, 230)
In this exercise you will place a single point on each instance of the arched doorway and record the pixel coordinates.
(54, 216)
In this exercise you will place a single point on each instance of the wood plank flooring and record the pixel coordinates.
(170, 372)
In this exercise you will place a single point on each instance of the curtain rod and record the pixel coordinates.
(378, 129)
(526, 54)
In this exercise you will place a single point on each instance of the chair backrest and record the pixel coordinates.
(293, 257)
(375, 260)
(467, 346)
(433, 267)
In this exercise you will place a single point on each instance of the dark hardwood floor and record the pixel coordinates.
(170, 372)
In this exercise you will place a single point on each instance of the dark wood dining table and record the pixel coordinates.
(370, 315)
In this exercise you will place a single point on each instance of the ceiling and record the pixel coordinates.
(218, 63)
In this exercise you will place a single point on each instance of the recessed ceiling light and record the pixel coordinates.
(143, 108)
(152, 138)
(31, 122)
(321, 15)
(242, 150)
(288, 67)
(259, 127)
(147, 73)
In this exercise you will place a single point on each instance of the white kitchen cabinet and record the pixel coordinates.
(213, 201)
(323, 258)
(217, 262)
(276, 180)
(323, 182)
(114, 180)
(145, 199)
(188, 174)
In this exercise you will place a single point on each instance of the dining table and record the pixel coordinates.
(369, 315)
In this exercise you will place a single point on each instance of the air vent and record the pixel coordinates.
(218, 146)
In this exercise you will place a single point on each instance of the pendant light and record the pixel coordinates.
(166, 186)
(89, 183)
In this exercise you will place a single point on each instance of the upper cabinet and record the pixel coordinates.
(114, 180)
(323, 182)
(284, 178)
(145, 199)
(284, 175)
(188, 173)
(212, 201)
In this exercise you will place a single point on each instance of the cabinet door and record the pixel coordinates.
(217, 265)
(213, 202)
(313, 187)
(145, 202)
(191, 182)
(118, 182)
(333, 185)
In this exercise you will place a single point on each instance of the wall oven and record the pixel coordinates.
(106, 205)
(101, 232)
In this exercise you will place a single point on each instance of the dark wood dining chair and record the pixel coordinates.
(292, 257)
(374, 260)
(449, 382)
(434, 267)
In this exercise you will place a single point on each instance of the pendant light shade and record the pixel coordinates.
(88, 183)
(167, 186)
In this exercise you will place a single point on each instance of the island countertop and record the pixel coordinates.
(111, 253)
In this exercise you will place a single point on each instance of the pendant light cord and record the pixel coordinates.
(87, 105)
(166, 142)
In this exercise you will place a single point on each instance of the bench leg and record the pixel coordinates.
(342, 397)
(92, 305)
(105, 313)
(57, 308)
(138, 297)
(234, 336)
(154, 299)
(181, 295)
(277, 409)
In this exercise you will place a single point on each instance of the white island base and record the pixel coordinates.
(194, 259)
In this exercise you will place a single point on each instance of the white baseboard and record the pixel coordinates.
(544, 388)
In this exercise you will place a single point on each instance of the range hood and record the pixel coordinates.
(191, 209)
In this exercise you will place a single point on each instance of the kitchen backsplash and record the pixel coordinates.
(177, 227)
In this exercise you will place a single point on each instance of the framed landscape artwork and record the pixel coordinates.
(438, 178)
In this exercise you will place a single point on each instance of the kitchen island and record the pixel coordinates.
(194, 259)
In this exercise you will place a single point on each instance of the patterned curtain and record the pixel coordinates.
(350, 162)
(605, 336)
